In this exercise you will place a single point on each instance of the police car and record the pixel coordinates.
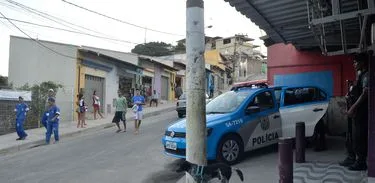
(247, 119)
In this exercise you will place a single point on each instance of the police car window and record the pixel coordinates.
(226, 102)
(263, 100)
(278, 94)
(303, 95)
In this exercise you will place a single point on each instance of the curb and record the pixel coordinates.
(37, 143)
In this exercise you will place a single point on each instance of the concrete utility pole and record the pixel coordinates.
(196, 82)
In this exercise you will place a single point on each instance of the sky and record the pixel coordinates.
(161, 15)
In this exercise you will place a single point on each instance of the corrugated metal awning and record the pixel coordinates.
(287, 21)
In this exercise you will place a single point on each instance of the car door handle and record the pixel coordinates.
(276, 116)
(318, 109)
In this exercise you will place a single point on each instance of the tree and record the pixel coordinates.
(3, 82)
(180, 48)
(38, 96)
(153, 49)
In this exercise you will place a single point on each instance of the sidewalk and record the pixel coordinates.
(261, 166)
(36, 137)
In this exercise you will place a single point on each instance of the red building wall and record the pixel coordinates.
(286, 59)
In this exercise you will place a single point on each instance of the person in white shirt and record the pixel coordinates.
(96, 105)
(155, 98)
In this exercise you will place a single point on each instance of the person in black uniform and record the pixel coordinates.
(350, 99)
(359, 112)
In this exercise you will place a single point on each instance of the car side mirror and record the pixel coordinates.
(252, 110)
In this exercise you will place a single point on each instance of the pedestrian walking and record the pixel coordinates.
(21, 111)
(53, 121)
(96, 105)
(359, 113)
(51, 93)
(155, 98)
(121, 105)
(212, 87)
(82, 111)
(178, 92)
(138, 101)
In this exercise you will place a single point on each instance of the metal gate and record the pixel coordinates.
(164, 88)
(94, 83)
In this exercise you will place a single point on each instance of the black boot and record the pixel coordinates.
(347, 162)
(358, 166)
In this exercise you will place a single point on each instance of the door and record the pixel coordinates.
(164, 88)
(267, 121)
(303, 104)
(93, 83)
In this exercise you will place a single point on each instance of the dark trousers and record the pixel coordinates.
(361, 136)
(154, 100)
(349, 140)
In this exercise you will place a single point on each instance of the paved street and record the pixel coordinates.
(101, 156)
(104, 156)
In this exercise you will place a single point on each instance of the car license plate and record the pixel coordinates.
(171, 145)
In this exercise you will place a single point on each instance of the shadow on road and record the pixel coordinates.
(167, 175)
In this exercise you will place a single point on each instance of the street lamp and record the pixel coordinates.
(209, 27)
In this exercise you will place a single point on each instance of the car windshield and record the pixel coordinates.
(226, 103)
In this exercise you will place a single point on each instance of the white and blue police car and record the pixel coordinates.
(251, 118)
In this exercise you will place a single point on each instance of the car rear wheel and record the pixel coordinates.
(230, 150)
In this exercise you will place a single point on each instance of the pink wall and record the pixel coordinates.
(286, 59)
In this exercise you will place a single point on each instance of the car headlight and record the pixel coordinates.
(209, 131)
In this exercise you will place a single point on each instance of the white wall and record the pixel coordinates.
(111, 88)
(31, 63)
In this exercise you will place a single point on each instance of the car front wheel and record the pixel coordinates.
(230, 150)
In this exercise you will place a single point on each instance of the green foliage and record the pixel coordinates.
(153, 49)
(39, 95)
(3, 82)
(180, 48)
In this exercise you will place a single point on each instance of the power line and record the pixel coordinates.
(47, 16)
(42, 14)
(71, 31)
(31, 23)
(61, 54)
(76, 32)
(118, 20)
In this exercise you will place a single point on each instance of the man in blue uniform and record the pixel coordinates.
(21, 110)
(138, 101)
(53, 116)
(51, 93)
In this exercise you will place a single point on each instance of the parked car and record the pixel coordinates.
(252, 118)
(181, 105)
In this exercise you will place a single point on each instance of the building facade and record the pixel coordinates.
(83, 69)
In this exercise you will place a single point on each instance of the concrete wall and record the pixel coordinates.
(286, 60)
(31, 63)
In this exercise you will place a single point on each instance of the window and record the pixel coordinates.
(263, 100)
(226, 102)
(226, 41)
(303, 95)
